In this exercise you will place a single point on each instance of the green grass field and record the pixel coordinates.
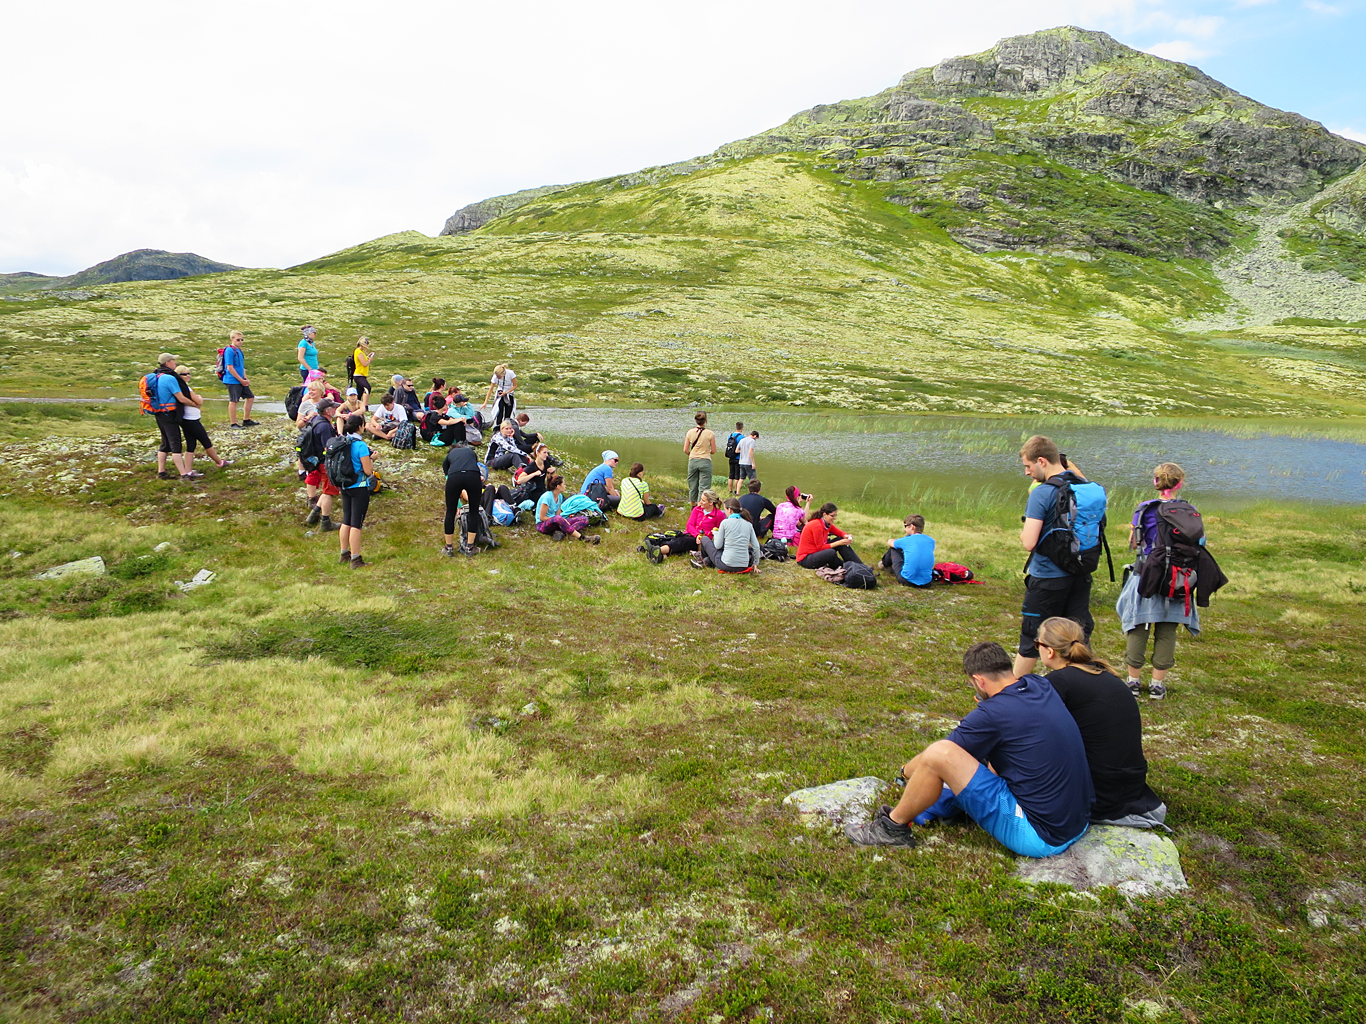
(544, 784)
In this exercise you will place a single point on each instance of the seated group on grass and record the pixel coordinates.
(1037, 761)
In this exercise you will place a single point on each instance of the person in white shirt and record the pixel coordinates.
(504, 383)
(387, 416)
(745, 447)
(192, 425)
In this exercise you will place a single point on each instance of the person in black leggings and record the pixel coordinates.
(463, 480)
(823, 545)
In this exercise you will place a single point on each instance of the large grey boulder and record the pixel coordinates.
(849, 800)
(1137, 862)
(93, 566)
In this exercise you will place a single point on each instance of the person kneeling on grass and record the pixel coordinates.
(911, 558)
(823, 545)
(732, 547)
(1016, 764)
(554, 525)
(1107, 715)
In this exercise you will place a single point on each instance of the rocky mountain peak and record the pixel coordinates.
(1025, 64)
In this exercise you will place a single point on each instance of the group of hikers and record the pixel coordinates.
(1037, 759)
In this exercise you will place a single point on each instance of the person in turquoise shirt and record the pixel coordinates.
(911, 557)
(308, 352)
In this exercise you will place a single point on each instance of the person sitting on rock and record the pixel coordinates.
(386, 419)
(1107, 715)
(1016, 765)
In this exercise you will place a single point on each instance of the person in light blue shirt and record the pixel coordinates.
(599, 484)
(911, 557)
(356, 496)
(308, 352)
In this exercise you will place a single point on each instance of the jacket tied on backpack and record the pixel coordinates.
(1174, 563)
(1074, 535)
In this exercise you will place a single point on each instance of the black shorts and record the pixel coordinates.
(169, 425)
(355, 503)
(237, 392)
(1067, 597)
(195, 434)
(362, 385)
(734, 469)
(747, 472)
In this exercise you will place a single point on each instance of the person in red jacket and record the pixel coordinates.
(823, 545)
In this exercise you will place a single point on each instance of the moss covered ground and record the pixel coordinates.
(545, 784)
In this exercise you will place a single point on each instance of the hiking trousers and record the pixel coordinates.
(1164, 645)
(699, 479)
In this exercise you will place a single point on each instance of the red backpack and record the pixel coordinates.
(952, 572)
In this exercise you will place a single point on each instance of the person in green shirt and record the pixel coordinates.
(635, 497)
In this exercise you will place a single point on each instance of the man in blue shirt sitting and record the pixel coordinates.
(598, 484)
(1016, 765)
(911, 558)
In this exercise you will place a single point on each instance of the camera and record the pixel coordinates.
(805, 496)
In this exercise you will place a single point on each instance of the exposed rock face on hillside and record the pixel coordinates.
(138, 265)
(1038, 143)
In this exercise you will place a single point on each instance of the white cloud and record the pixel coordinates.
(1359, 134)
(1321, 8)
(1182, 50)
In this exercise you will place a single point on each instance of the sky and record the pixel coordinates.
(271, 132)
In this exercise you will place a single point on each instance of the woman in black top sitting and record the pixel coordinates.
(1107, 717)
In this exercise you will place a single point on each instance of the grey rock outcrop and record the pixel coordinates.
(1135, 861)
(849, 800)
(476, 215)
(92, 566)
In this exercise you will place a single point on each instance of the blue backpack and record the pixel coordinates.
(503, 513)
(1074, 540)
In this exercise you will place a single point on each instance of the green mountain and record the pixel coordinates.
(1060, 215)
(138, 265)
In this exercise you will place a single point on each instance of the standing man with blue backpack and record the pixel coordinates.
(1064, 529)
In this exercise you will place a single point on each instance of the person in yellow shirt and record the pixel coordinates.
(362, 356)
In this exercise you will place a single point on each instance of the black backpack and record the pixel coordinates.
(773, 550)
(859, 576)
(351, 368)
(1169, 568)
(733, 447)
(337, 461)
(405, 436)
(309, 447)
(293, 400)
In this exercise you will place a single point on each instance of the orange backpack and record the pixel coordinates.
(147, 390)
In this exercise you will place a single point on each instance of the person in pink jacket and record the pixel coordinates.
(706, 515)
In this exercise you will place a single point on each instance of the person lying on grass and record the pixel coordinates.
(1016, 765)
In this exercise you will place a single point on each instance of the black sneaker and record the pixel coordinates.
(234, 426)
(250, 423)
(314, 514)
(1157, 691)
(1135, 685)
(881, 831)
(448, 551)
(346, 558)
(467, 549)
(163, 475)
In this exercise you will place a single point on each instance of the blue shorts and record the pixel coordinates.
(989, 802)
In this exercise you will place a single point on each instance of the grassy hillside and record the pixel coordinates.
(545, 784)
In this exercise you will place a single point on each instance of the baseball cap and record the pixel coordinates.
(165, 358)
(325, 404)
(609, 455)
(352, 391)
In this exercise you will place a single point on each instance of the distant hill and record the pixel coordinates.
(138, 265)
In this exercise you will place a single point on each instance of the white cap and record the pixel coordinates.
(609, 455)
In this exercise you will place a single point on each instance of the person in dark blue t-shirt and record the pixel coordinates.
(1048, 590)
(911, 558)
(1016, 765)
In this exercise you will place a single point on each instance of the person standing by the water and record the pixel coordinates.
(235, 377)
(308, 352)
(699, 445)
(504, 383)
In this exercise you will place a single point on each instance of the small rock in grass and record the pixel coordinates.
(200, 579)
(1136, 861)
(93, 566)
(531, 709)
(165, 545)
(850, 800)
(1342, 905)
(16, 554)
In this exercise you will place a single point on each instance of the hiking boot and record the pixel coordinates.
(467, 549)
(358, 562)
(163, 475)
(314, 514)
(234, 426)
(655, 555)
(697, 563)
(881, 831)
(346, 558)
(595, 539)
(1157, 691)
(448, 551)
(250, 423)
(189, 478)
(329, 525)
(559, 535)
(1134, 685)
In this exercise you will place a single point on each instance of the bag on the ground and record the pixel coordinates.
(293, 400)
(220, 368)
(831, 574)
(662, 537)
(858, 576)
(147, 391)
(773, 550)
(579, 505)
(951, 572)
(503, 513)
(733, 447)
(337, 461)
(1074, 541)
(405, 436)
